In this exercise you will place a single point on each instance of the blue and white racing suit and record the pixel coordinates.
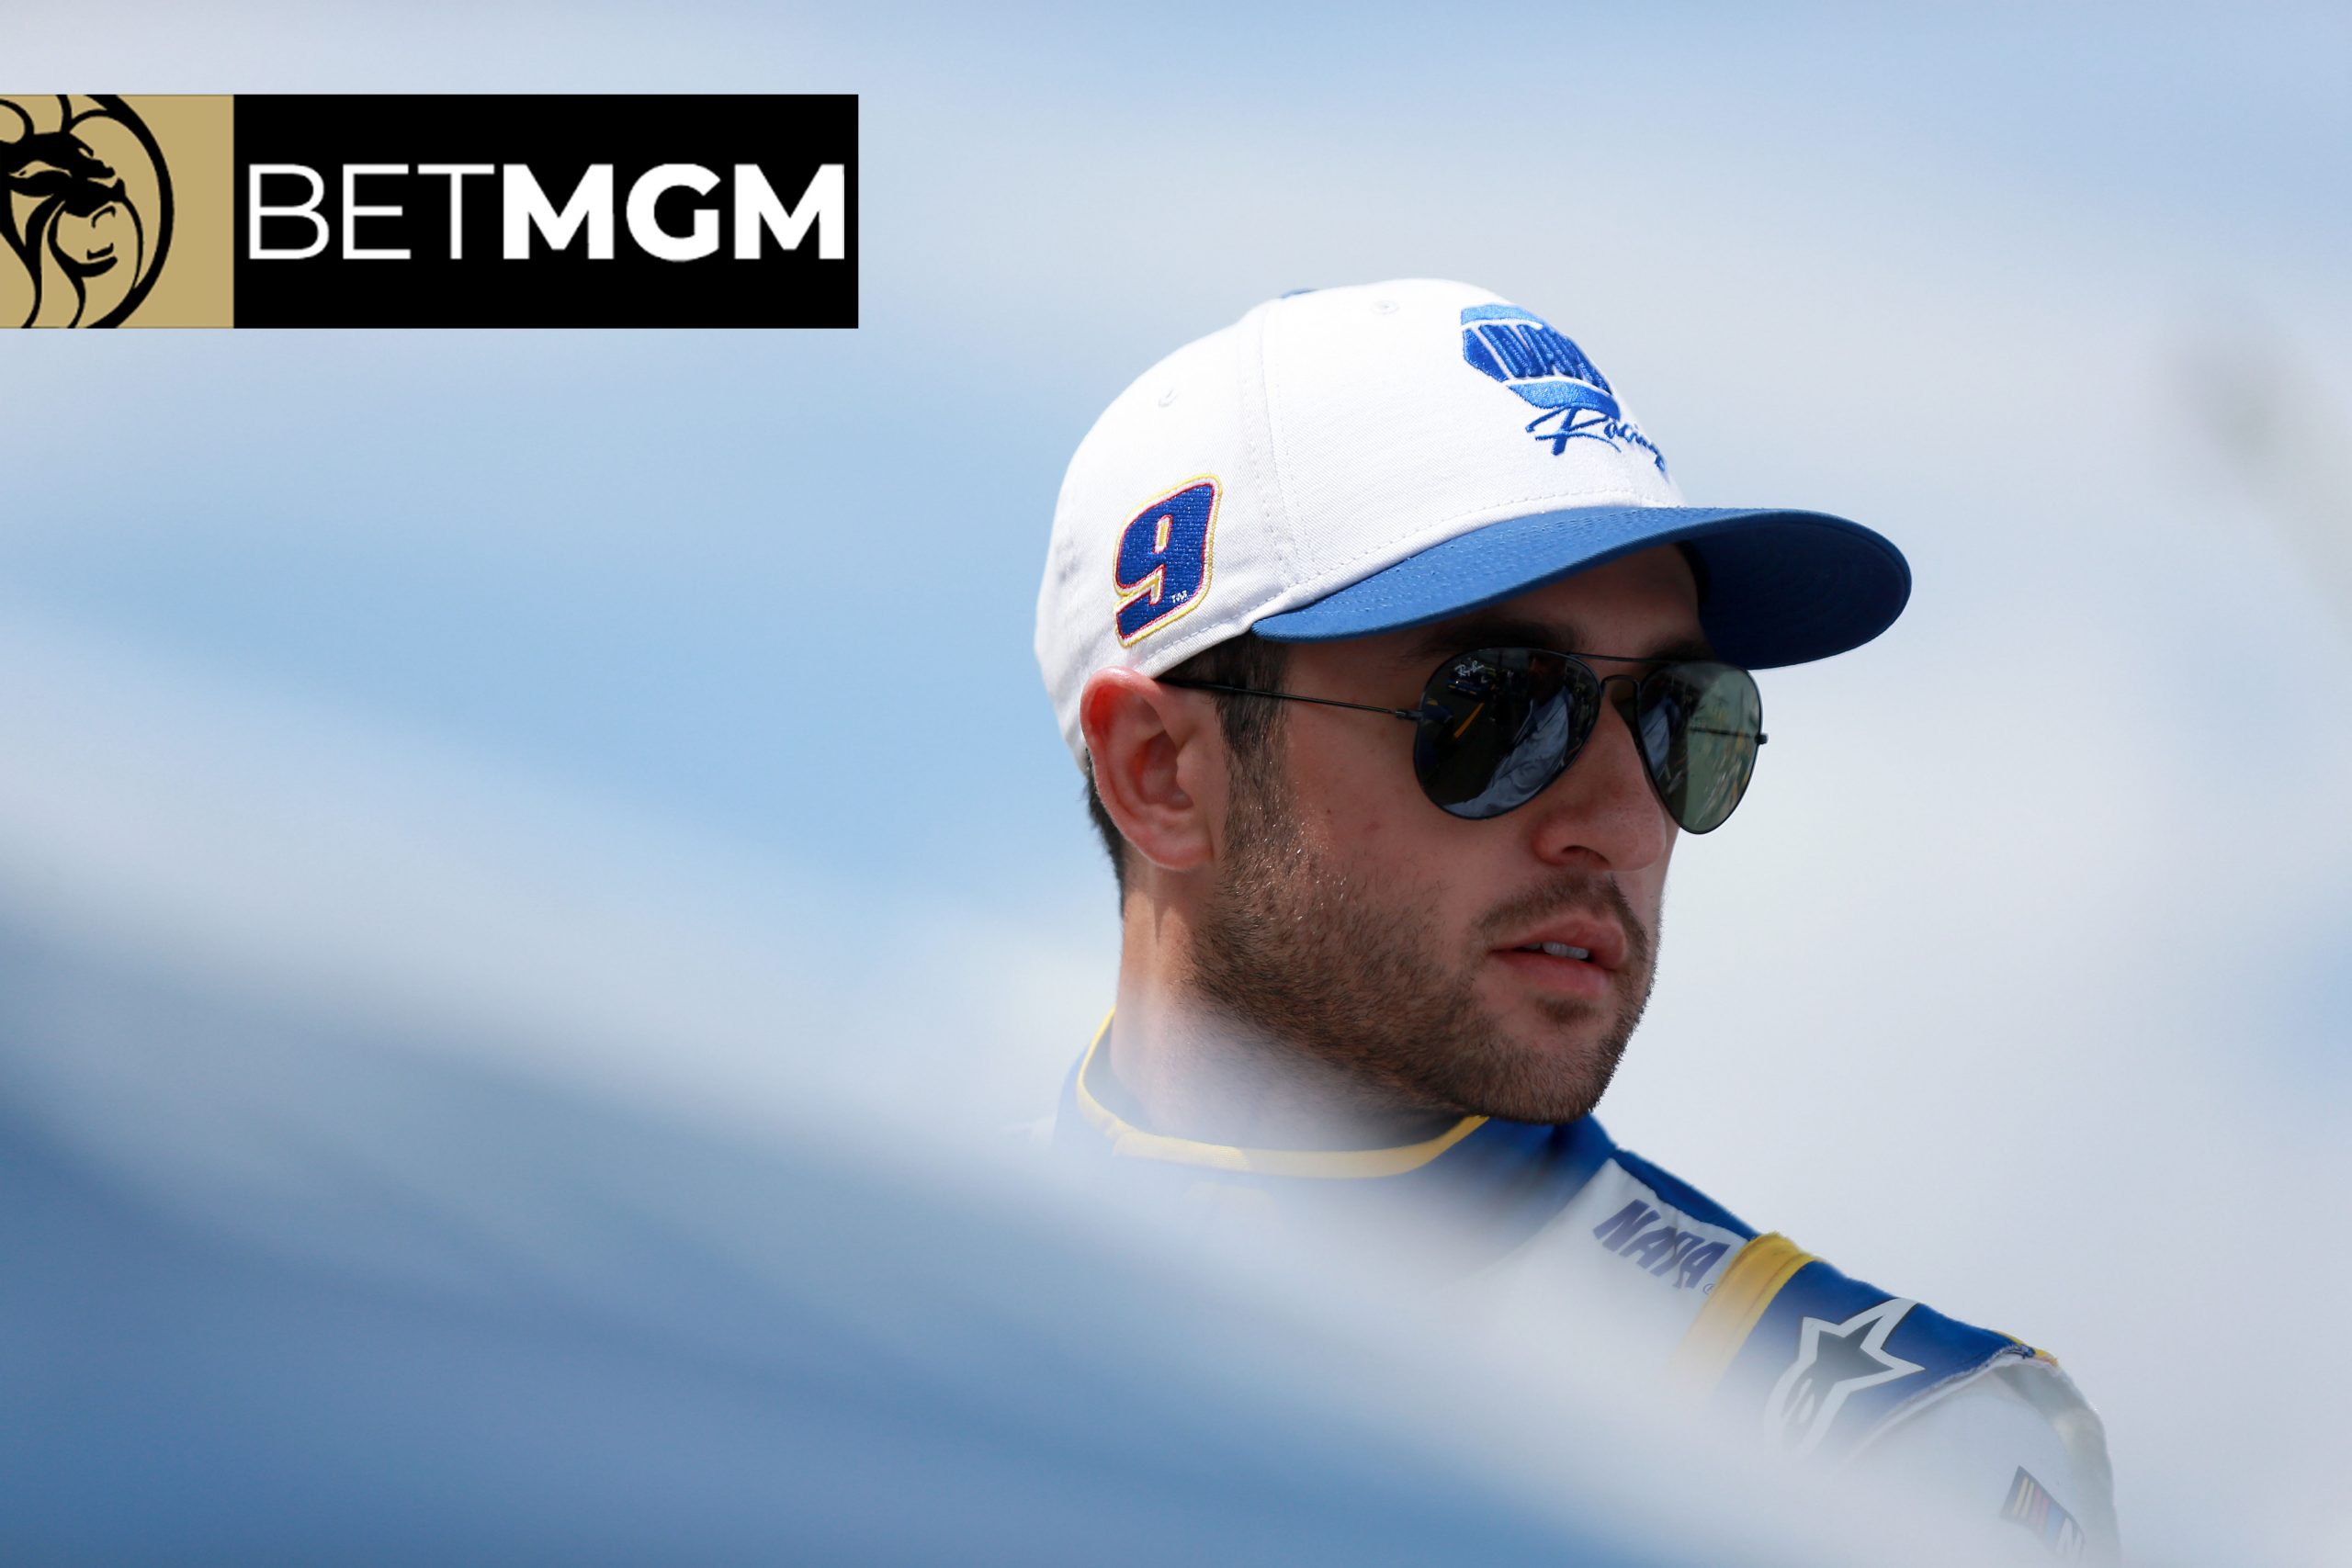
(1817, 1362)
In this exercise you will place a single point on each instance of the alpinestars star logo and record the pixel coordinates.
(1834, 1362)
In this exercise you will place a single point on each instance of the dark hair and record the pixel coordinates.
(1249, 724)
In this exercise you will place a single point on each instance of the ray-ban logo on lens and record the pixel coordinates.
(87, 217)
(430, 211)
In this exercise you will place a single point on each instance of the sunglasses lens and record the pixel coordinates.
(1497, 724)
(1699, 728)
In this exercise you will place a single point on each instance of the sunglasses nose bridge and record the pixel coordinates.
(1623, 692)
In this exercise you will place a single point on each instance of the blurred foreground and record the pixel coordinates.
(282, 1287)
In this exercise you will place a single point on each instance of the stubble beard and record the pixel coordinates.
(1298, 951)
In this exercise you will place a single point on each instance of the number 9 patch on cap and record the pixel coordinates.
(1162, 569)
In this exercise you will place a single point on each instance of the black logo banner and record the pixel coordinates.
(429, 212)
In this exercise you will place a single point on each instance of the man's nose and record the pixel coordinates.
(1602, 812)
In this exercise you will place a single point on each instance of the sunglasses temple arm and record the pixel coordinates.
(1407, 714)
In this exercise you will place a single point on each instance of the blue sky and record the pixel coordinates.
(678, 684)
(606, 556)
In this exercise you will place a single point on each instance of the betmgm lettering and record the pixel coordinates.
(592, 214)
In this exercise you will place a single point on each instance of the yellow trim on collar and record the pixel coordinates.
(1737, 1305)
(1134, 1142)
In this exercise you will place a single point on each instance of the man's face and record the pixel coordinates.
(1354, 919)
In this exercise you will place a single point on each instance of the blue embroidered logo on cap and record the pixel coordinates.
(1546, 368)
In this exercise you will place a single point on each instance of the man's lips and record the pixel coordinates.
(1573, 955)
(1602, 941)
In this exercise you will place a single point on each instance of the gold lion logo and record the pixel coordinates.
(85, 210)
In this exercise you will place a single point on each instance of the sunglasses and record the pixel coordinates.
(1497, 724)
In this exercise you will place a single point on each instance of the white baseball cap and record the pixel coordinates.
(1345, 461)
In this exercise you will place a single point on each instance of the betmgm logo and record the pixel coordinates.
(585, 215)
(717, 210)
(87, 212)
(429, 210)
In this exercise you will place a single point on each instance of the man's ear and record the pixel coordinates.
(1159, 759)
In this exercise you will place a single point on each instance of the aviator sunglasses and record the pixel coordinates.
(1497, 724)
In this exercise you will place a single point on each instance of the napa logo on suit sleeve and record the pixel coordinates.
(1654, 1242)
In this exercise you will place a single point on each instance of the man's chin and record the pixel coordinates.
(1541, 1022)
(1541, 1102)
(1555, 1058)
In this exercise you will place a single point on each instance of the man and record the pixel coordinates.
(1394, 663)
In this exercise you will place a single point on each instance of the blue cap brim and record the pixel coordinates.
(1777, 586)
